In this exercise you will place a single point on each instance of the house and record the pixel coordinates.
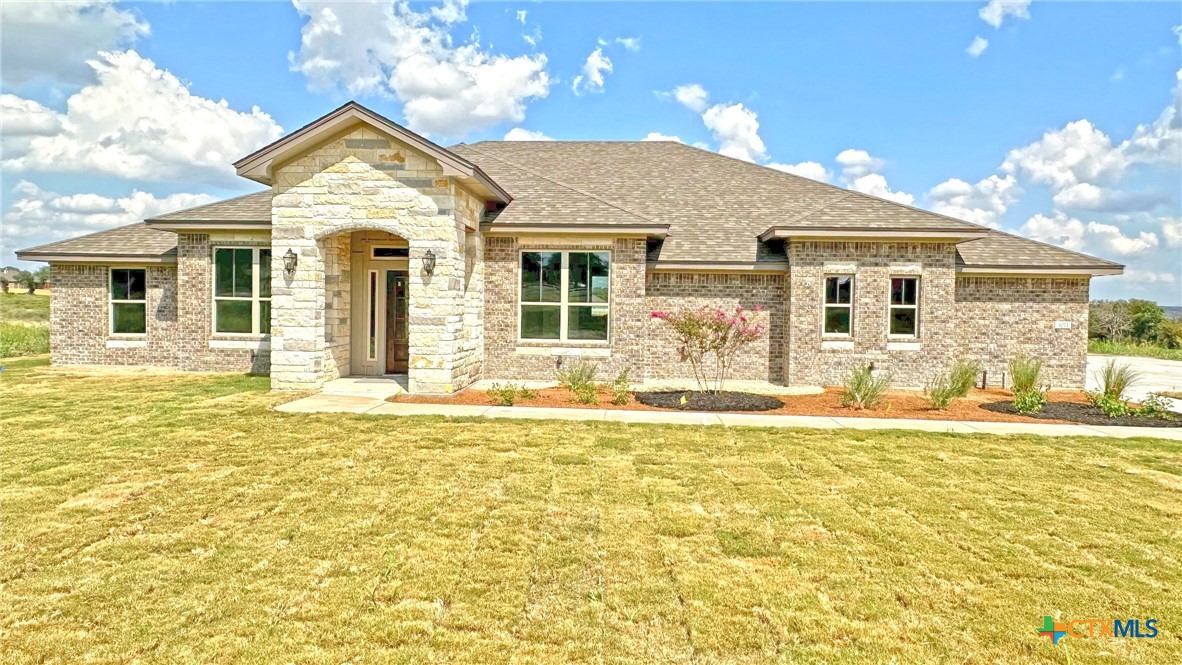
(374, 251)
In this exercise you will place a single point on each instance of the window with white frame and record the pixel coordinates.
(839, 304)
(565, 295)
(129, 301)
(904, 314)
(242, 290)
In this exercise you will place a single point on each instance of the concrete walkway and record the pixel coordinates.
(324, 403)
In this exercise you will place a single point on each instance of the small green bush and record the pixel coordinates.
(1116, 377)
(1030, 401)
(621, 395)
(577, 376)
(963, 376)
(503, 395)
(585, 393)
(941, 392)
(1112, 405)
(526, 393)
(1024, 373)
(862, 390)
(1155, 406)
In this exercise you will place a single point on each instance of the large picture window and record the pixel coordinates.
(839, 304)
(904, 306)
(565, 295)
(129, 301)
(242, 290)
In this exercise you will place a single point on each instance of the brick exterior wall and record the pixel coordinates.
(762, 361)
(79, 319)
(507, 359)
(817, 359)
(998, 318)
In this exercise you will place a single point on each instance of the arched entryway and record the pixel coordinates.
(380, 316)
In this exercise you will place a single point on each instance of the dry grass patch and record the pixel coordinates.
(166, 518)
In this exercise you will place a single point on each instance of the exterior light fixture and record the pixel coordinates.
(429, 262)
(290, 259)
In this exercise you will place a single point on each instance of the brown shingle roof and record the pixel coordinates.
(247, 209)
(133, 240)
(715, 207)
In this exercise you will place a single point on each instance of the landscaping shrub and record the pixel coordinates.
(941, 392)
(1024, 374)
(21, 339)
(710, 332)
(862, 390)
(526, 393)
(1116, 377)
(1030, 401)
(963, 376)
(576, 376)
(1112, 405)
(620, 393)
(1155, 406)
(585, 393)
(503, 395)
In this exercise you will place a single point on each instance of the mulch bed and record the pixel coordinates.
(699, 401)
(1084, 414)
(898, 404)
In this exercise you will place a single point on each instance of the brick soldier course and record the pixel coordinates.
(683, 227)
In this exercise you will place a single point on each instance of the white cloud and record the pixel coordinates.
(856, 163)
(984, 203)
(137, 121)
(875, 184)
(1058, 229)
(1138, 279)
(657, 136)
(996, 12)
(692, 96)
(382, 47)
(519, 134)
(22, 120)
(1171, 230)
(451, 11)
(521, 16)
(1086, 196)
(54, 40)
(977, 47)
(811, 170)
(1071, 233)
(629, 43)
(38, 216)
(591, 80)
(736, 128)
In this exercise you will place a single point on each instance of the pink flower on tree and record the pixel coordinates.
(711, 333)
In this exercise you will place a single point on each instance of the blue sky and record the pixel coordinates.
(1064, 127)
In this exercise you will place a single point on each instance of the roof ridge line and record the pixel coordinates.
(563, 184)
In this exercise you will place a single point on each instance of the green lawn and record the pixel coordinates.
(161, 518)
(24, 324)
(1132, 349)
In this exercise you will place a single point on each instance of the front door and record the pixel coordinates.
(397, 347)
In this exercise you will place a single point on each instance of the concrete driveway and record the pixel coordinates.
(1156, 376)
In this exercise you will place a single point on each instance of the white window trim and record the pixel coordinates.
(254, 299)
(825, 306)
(892, 307)
(564, 303)
(111, 302)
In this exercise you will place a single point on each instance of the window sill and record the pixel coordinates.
(837, 345)
(597, 350)
(231, 342)
(137, 342)
(904, 345)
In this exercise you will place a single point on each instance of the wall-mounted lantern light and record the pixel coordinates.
(429, 262)
(289, 261)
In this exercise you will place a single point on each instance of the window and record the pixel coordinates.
(242, 290)
(839, 309)
(390, 252)
(904, 306)
(129, 301)
(564, 295)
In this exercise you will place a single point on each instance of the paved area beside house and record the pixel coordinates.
(324, 403)
(1156, 376)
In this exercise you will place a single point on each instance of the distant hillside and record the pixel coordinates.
(1173, 312)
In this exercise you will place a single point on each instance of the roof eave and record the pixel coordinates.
(719, 266)
(189, 226)
(835, 233)
(77, 257)
(1041, 271)
(614, 230)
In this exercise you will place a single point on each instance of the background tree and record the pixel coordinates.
(1110, 320)
(1147, 318)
